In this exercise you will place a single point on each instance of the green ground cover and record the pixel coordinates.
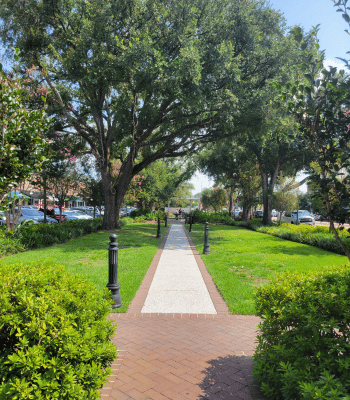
(88, 256)
(242, 259)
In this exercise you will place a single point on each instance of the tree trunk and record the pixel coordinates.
(266, 199)
(123, 183)
(245, 211)
(109, 217)
(230, 201)
(332, 227)
(267, 193)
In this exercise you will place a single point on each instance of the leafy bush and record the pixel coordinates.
(135, 213)
(151, 216)
(125, 221)
(318, 236)
(203, 216)
(43, 235)
(54, 334)
(8, 245)
(303, 347)
(141, 218)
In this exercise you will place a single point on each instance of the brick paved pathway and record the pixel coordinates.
(183, 356)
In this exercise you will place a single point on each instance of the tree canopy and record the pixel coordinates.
(141, 80)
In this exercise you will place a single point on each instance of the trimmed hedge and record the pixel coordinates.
(303, 347)
(54, 334)
(32, 236)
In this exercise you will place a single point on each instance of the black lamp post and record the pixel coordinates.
(191, 222)
(159, 235)
(166, 220)
(206, 249)
(113, 284)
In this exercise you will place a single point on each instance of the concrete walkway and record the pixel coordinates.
(178, 339)
(178, 285)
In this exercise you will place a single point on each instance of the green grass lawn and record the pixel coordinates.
(241, 260)
(88, 255)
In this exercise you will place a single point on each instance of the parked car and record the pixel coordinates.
(55, 213)
(258, 214)
(75, 215)
(125, 211)
(35, 216)
(298, 217)
(88, 211)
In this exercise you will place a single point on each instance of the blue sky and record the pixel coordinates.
(308, 13)
(332, 38)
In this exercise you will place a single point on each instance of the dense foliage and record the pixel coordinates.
(303, 342)
(22, 131)
(54, 334)
(31, 236)
(319, 101)
(144, 80)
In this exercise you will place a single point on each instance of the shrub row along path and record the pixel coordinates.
(178, 340)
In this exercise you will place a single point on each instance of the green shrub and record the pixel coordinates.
(8, 245)
(315, 236)
(43, 235)
(125, 221)
(135, 213)
(303, 347)
(54, 334)
(151, 216)
(203, 216)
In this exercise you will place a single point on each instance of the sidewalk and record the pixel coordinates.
(178, 339)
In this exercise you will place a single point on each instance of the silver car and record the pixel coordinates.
(75, 215)
(34, 216)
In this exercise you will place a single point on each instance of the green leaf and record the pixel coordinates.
(298, 37)
(309, 77)
(346, 17)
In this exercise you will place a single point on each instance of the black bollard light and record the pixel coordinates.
(206, 249)
(113, 284)
(159, 235)
(191, 222)
(166, 221)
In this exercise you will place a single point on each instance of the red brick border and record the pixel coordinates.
(140, 297)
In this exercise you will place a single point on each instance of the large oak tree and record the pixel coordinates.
(140, 80)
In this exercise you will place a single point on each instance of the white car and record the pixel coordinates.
(298, 217)
(75, 214)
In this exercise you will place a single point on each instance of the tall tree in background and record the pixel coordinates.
(218, 198)
(162, 182)
(277, 149)
(142, 80)
(236, 168)
(284, 197)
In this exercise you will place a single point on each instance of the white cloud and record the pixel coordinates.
(333, 62)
